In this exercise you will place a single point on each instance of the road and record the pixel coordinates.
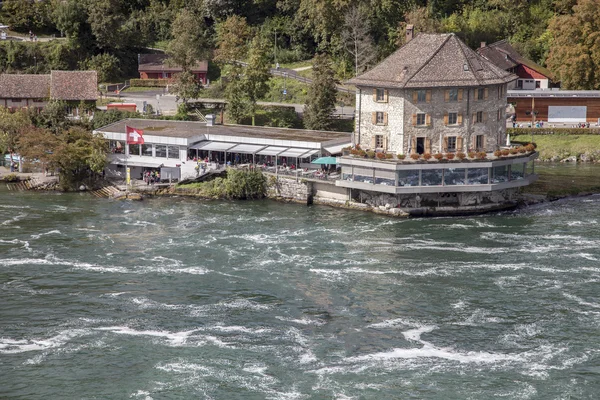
(167, 103)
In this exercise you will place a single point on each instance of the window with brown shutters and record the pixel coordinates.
(427, 119)
(460, 94)
(374, 118)
(452, 118)
(427, 145)
(420, 119)
(480, 94)
(428, 96)
(450, 143)
(380, 118)
(446, 119)
(379, 142)
(380, 95)
(459, 119)
(459, 143)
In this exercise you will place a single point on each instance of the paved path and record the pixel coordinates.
(167, 103)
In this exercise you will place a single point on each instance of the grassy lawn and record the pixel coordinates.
(297, 64)
(142, 89)
(104, 101)
(563, 146)
(161, 44)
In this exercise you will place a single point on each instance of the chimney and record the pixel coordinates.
(410, 30)
(483, 44)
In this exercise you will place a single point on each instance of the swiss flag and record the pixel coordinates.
(135, 136)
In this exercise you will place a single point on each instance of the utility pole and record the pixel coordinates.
(275, 51)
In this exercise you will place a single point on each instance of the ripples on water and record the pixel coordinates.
(172, 298)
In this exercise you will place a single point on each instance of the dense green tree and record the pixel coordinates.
(320, 102)
(186, 87)
(237, 104)
(575, 52)
(191, 41)
(105, 64)
(255, 83)
(11, 125)
(233, 35)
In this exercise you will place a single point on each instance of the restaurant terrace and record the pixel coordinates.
(180, 145)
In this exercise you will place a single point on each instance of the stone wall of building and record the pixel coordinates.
(289, 189)
(392, 131)
(400, 108)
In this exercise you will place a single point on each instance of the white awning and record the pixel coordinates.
(271, 151)
(213, 146)
(336, 148)
(308, 154)
(247, 148)
(293, 152)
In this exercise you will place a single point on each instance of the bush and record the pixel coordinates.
(482, 155)
(11, 178)
(497, 153)
(461, 156)
(415, 156)
(427, 156)
(400, 156)
(449, 156)
(438, 156)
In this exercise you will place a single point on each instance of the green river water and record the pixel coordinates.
(172, 298)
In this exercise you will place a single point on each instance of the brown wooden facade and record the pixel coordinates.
(524, 105)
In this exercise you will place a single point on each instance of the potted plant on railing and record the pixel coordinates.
(497, 153)
(438, 156)
(346, 151)
(461, 156)
(449, 156)
(513, 151)
(427, 156)
(380, 156)
(505, 152)
(400, 156)
(472, 154)
(482, 155)
(522, 150)
(389, 156)
(370, 154)
(415, 156)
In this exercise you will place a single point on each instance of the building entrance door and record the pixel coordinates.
(420, 145)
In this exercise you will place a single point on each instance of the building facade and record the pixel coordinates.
(78, 89)
(530, 76)
(432, 95)
(156, 66)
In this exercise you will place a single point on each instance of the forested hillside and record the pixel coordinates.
(107, 34)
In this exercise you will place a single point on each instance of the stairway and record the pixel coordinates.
(30, 184)
(105, 191)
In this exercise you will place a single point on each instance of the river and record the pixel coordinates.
(172, 298)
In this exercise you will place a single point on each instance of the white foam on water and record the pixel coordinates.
(238, 329)
(581, 301)
(12, 206)
(16, 218)
(392, 323)
(141, 394)
(173, 338)
(244, 304)
(52, 232)
(459, 304)
(478, 318)
(11, 346)
(587, 256)
(302, 321)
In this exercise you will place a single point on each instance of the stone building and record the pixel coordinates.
(434, 94)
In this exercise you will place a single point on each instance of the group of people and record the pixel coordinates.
(151, 177)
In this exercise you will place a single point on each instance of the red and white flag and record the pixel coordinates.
(134, 135)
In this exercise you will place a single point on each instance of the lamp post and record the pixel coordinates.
(35, 63)
(275, 51)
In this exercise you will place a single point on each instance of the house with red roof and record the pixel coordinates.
(78, 89)
(157, 66)
(530, 75)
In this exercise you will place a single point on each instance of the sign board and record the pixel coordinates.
(567, 113)
(128, 176)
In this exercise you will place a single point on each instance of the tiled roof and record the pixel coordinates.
(24, 86)
(158, 63)
(433, 60)
(74, 85)
(503, 55)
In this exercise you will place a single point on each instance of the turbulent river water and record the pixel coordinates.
(172, 298)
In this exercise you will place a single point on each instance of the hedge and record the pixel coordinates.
(552, 131)
(149, 82)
